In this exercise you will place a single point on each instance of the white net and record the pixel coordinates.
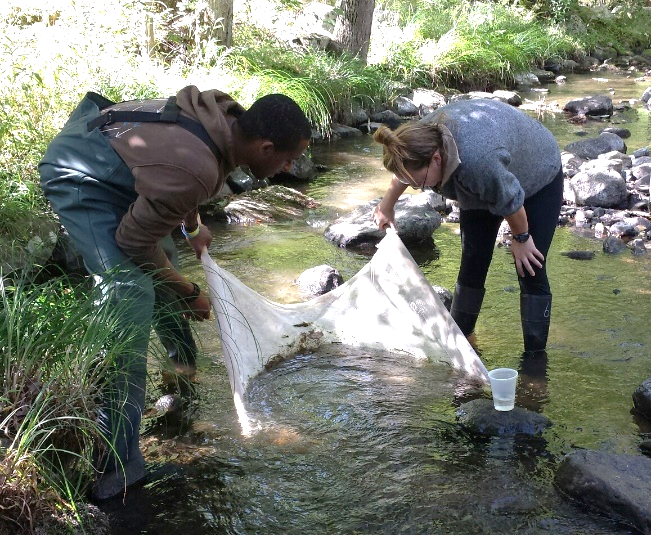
(388, 305)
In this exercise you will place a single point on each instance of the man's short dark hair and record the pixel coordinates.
(277, 118)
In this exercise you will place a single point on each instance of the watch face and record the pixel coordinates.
(521, 237)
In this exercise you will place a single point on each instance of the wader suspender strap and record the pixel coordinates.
(171, 114)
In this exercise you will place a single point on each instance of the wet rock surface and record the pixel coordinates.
(642, 399)
(319, 280)
(417, 218)
(616, 485)
(480, 416)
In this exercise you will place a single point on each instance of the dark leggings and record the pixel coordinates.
(479, 231)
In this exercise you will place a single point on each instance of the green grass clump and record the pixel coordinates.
(57, 346)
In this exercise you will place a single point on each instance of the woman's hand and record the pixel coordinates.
(526, 256)
(384, 216)
(200, 241)
(384, 213)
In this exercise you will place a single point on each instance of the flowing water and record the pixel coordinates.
(361, 442)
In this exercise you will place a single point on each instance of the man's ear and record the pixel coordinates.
(266, 147)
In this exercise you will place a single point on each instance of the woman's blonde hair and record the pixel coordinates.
(410, 145)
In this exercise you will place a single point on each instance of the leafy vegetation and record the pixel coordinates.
(56, 350)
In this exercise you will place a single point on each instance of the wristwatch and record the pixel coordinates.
(196, 291)
(522, 237)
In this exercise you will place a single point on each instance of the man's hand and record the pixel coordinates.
(199, 309)
(200, 241)
(526, 256)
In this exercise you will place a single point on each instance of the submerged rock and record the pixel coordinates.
(579, 255)
(319, 280)
(616, 485)
(480, 416)
(275, 203)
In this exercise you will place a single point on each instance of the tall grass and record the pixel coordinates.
(325, 87)
(478, 45)
(57, 347)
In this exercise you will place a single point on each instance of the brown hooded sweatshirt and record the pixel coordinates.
(174, 170)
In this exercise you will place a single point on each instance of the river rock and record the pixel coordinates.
(591, 148)
(319, 280)
(622, 229)
(480, 416)
(646, 95)
(275, 203)
(404, 107)
(616, 485)
(526, 80)
(510, 97)
(613, 245)
(341, 131)
(387, 117)
(427, 100)
(637, 247)
(642, 399)
(579, 255)
(444, 295)
(624, 133)
(599, 187)
(416, 219)
(593, 105)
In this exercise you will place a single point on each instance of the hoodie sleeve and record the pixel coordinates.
(160, 207)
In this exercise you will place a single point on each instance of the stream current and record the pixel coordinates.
(361, 442)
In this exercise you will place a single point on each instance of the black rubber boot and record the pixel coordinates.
(466, 304)
(535, 312)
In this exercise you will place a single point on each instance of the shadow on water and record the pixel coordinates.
(360, 442)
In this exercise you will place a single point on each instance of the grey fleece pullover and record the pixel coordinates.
(506, 156)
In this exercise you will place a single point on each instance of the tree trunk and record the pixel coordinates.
(223, 9)
(353, 28)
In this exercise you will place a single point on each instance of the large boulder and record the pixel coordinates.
(617, 485)
(599, 187)
(594, 105)
(591, 148)
(417, 218)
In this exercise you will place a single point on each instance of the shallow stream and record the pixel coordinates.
(358, 442)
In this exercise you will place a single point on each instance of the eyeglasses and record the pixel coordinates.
(411, 182)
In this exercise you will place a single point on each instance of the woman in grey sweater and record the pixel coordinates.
(497, 163)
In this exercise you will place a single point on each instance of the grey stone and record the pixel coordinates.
(480, 416)
(591, 148)
(319, 280)
(416, 219)
(613, 245)
(617, 485)
(642, 399)
(593, 105)
(275, 203)
(342, 131)
(605, 188)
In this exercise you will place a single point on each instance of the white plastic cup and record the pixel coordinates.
(503, 381)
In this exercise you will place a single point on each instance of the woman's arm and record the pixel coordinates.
(384, 214)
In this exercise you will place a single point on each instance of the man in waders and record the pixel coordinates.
(121, 177)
